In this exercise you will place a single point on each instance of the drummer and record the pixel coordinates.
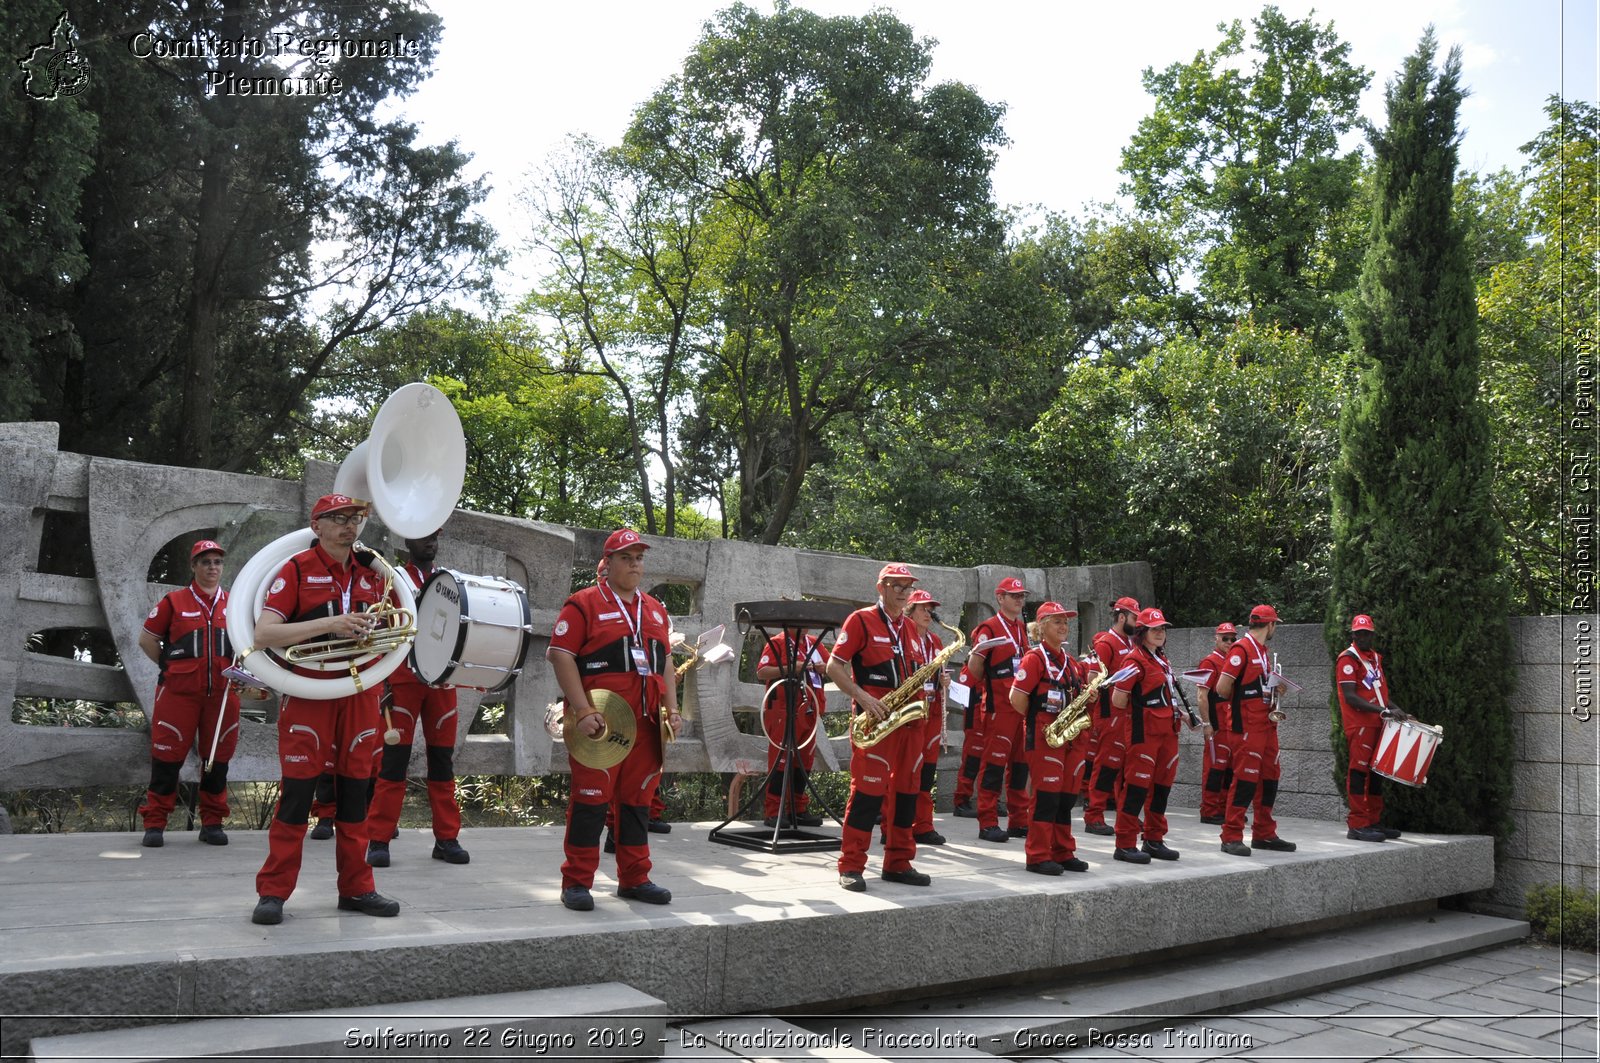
(1364, 704)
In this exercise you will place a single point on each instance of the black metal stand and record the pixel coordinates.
(824, 617)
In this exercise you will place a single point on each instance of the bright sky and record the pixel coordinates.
(512, 79)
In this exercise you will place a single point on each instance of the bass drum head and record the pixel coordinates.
(440, 632)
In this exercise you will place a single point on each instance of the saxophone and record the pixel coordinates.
(865, 732)
(1073, 720)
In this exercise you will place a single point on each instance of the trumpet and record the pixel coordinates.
(1276, 713)
(393, 626)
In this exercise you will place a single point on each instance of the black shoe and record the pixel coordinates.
(449, 850)
(1105, 830)
(1276, 845)
(772, 821)
(324, 828)
(154, 837)
(1074, 865)
(269, 911)
(1236, 848)
(213, 834)
(658, 826)
(1131, 856)
(1017, 832)
(1215, 821)
(648, 892)
(377, 854)
(930, 837)
(808, 819)
(909, 877)
(578, 898)
(853, 881)
(373, 903)
(1046, 867)
(1389, 832)
(1366, 834)
(394, 833)
(611, 844)
(1160, 851)
(965, 810)
(994, 834)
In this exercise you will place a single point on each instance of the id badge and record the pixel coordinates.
(1052, 701)
(928, 688)
(816, 680)
(1016, 662)
(641, 663)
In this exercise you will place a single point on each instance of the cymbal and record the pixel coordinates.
(616, 740)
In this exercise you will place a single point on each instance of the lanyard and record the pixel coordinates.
(893, 628)
(1260, 658)
(1055, 674)
(637, 619)
(211, 606)
(1018, 648)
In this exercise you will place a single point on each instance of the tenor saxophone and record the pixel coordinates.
(865, 732)
(1073, 720)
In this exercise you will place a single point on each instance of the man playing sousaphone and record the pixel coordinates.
(613, 636)
(1363, 706)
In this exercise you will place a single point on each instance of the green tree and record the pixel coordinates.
(1415, 538)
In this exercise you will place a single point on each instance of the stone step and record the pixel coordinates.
(605, 1021)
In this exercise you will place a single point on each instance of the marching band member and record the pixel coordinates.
(318, 593)
(810, 702)
(1363, 706)
(925, 647)
(186, 634)
(1221, 737)
(613, 636)
(1045, 683)
(975, 728)
(1245, 683)
(1004, 762)
(412, 702)
(871, 658)
(1146, 704)
(1108, 744)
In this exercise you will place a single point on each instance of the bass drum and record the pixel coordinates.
(472, 631)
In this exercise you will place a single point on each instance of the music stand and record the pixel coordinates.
(824, 617)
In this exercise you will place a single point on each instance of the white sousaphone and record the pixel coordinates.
(411, 469)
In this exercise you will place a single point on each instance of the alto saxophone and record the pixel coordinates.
(1073, 720)
(865, 732)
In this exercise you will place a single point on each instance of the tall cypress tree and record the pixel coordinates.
(1415, 538)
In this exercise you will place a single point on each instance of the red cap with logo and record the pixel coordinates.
(1124, 605)
(1049, 609)
(333, 503)
(895, 571)
(922, 598)
(1010, 585)
(1263, 614)
(1362, 622)
(1226, 628)
(1153, 617)
(210, 546)
(623, 539)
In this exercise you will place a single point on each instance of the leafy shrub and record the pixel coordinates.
(1564, 915)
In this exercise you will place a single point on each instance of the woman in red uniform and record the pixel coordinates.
(1145, 700)
(1045, 684)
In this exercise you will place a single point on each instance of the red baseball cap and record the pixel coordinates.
(1153, 617)
(1049, 609)
(921, 598)
(1362, 622)
(333, 503)
(1263, 614)
(1010, 585)
(895, 571)
(1226, 628)
(207, 546)
(623, 539)
(1124, 605)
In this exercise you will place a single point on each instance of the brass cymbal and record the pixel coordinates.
(614, 743)
(667, 737)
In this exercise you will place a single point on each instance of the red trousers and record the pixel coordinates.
(1148, 774)
(1057, 776)
(631, 786)
(1364, 786)
(932, 743)
(183, 712)
(1111, 750)
(1005, 762)
(436, 710)
(1218, 773)
(972, 740)
(773, 720)
(339, 735)
(887, 773)
(1255, 782)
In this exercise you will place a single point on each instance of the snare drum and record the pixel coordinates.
(472, 631)
(1405, 751)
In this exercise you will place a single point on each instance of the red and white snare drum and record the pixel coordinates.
(472, 631)
(1405, 751)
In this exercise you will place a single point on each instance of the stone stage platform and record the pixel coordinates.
(101, 934)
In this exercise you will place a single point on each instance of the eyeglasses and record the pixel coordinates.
(341, 519)
(1013, 594)
(208, 561)
(901, 588)
(1229, 638)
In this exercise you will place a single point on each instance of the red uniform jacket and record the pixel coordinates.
(193, 632)
(1248, 662)
(1366, 671)
(877, 648)
(1051, 681)
(603, 632)
(311, 584)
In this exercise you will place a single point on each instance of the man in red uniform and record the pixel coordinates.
(1004, 760)
(613, 636)
(186, 634)
(1245, 686)
(1045, 683)
(1108, 744)
(925, 646)
(1363, 706)
(1221, 739)
(323, 593)
(413, 701)
(1145, 702)
(798, 657)
(975, 728)
(870, 659)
